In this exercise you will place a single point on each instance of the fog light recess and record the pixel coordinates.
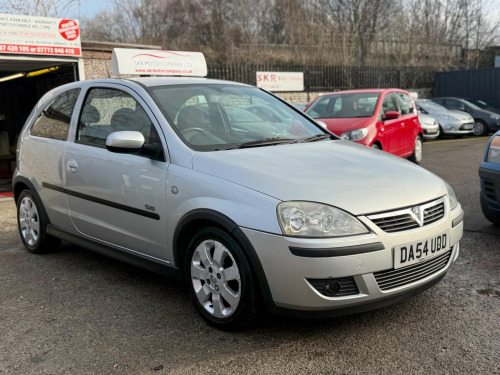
(341, 287)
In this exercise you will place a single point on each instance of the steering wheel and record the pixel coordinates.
(197, 131)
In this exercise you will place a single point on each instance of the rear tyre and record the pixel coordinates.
(32, 224)
(416, 157)
(490, 216)
(220, 280)
(480, 128)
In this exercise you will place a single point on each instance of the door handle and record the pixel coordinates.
(71, 166)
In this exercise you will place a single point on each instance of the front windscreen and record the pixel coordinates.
(344, 106)
(212, 117)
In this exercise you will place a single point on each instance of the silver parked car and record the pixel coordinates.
(429, 125)
(450, 122)
(156, 172)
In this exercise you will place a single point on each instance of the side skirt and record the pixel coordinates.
(135, 260)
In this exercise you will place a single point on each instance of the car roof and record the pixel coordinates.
(450, 97)
(368, 91)
(162, 81)
(157, 81)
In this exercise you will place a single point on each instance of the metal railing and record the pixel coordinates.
(318, 78)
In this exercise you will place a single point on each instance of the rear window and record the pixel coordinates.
(344, 106)
(54, 120)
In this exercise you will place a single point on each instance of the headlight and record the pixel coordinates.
(494, 150)
(495, 117)
(309, 219)
(355, 135)
(448, 117)
(452, 196)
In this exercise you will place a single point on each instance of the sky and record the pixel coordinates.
(91, 7)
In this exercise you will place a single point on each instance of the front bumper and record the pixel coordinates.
(431, 131)
(489, 174)
(457, 128)
(288, 274)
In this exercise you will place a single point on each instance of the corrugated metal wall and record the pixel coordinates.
(483, 84)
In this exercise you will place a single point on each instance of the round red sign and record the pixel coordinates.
(69, 29)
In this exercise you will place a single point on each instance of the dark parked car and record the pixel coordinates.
(485, 120)
(483, 105)
(489, 173)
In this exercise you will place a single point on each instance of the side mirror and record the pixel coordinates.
(322, 124)
(125, 142)
(390, 115)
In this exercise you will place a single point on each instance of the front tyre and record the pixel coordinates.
(416, 157)
(220, 280)
(32, 223)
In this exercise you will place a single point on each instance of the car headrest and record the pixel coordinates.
(90, 115)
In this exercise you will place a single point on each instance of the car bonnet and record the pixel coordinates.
(340, 173)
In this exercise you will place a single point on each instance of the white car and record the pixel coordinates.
(429, 125)
(247, 213)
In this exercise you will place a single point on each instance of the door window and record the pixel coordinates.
(405, 103)
(106, 111)
(54, 120)
(454, 104)
(390, 103)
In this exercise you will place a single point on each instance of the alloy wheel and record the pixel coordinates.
(29, 221)
(418, 150)
(215, 278)
(478, 128)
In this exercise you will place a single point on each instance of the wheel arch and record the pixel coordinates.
(21, 183)
(202, 218)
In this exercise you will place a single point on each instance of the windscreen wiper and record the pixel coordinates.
(314, 138)
(262, 142)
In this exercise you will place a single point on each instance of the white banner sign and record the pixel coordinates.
(155, 62)
(280, 81)
(30, 35)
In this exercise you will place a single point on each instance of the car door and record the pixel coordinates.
(117, 198)
(390, 129)
(454, 104)
(409, 123)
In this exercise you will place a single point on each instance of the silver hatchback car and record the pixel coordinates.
(172, 174)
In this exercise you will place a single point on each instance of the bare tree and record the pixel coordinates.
(334, 32)
(42, 8)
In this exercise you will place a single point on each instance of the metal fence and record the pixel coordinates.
(483, 84)
(330, 78)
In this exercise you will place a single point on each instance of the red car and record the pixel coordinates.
(386, 119)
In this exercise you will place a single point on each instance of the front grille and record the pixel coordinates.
(396, 223)
(348, 286)
(401, 220)
(394, 278)
(489, 189)
(433, 213)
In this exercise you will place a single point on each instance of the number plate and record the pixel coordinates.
(418, 251)
(468, 127)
